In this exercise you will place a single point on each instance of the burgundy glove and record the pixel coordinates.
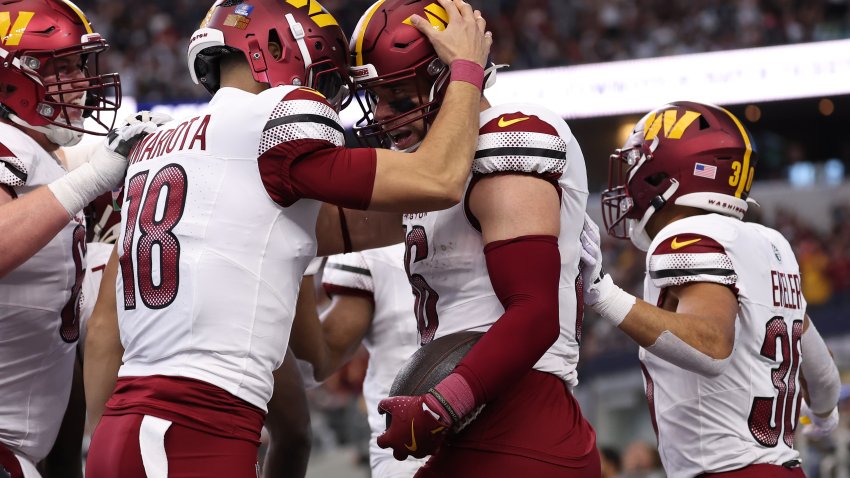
(417, 425)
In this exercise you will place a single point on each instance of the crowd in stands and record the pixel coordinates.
(149, 38)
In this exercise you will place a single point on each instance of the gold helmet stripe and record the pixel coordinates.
(361, 32)
(79, 13)
(745, 170)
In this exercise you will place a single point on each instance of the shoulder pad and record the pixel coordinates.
(522, 139)
(348, 274)
(302, 113)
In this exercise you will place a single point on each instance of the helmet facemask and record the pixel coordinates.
(370, 130)
(62, 103)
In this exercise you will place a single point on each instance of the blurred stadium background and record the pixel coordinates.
(782, 65)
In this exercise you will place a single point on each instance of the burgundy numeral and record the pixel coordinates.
(425, 303)
(132, 202)
(769, 416)
(69, 327)
(155, 229)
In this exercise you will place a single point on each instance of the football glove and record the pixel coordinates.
(416, 425)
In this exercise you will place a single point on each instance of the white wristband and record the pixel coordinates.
(614, 303)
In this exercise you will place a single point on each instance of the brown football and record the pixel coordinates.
(432, 363)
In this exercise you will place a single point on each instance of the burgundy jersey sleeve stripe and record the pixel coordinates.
(689, 244)
(315, 169)
(333, 289)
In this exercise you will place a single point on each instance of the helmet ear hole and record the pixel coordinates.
(275, 49)
(656, 179)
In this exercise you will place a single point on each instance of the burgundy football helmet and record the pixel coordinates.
(314, 49)
(687, 153)
(387, 49)
(39, 88)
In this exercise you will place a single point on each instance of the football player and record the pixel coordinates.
(370, 304)
(504, 261)
(49, 84)
(725, 339)
(221, 216)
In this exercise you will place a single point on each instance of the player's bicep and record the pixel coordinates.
(513, 205)
(715, 303)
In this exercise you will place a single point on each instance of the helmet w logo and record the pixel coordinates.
(674, 127)
(13, 37)
(316, 12)
(437, 16)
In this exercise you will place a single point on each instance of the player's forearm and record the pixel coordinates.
(645, 323)
(100, 370)
(28, 224)
(822, 380)
(306, 339)
(288, 423)
(446, 153)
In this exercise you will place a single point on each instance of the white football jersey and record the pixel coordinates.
(391, 339)
(97, 255)
(39, 316)
(747, 415)
(445, 250)
(210, 264)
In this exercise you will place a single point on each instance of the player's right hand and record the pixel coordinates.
(465, 37)
(413, 429)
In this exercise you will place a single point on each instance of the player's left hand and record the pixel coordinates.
(413, 427)
(815, 427)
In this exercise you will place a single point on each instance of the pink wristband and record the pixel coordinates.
(468, 71)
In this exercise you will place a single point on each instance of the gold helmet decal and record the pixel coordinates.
(437, 16)
(674, 127)
(12, 37)
(316, 12)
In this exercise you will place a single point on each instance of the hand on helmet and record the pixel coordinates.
(414, 428)
(465, 37)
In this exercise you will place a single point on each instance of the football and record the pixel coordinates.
(432, 363)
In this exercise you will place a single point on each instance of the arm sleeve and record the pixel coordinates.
(524, 272)
(821, 374)
(302, 155)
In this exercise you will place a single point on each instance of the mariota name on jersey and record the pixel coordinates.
(167, 140)
(787, 292)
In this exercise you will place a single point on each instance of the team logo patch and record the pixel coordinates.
(705, 171)
(776, 252)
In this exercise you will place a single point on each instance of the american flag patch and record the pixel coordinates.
(705, 171)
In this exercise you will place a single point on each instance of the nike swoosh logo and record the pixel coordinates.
(412, 446)
(505, 124)
(678, 245)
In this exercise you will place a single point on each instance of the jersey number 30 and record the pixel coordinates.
(770, 415)
(157, 210)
